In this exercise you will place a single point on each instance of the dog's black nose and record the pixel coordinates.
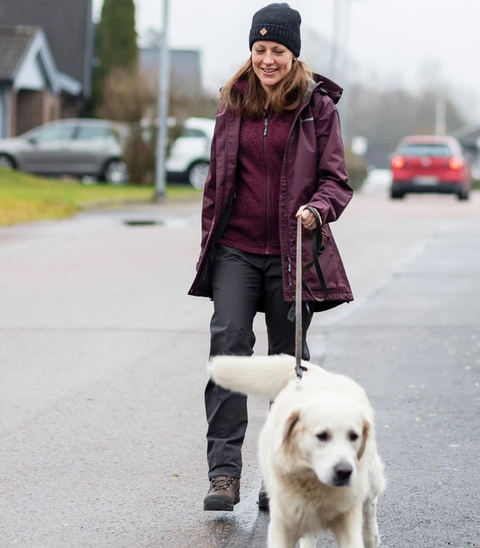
(342, 473)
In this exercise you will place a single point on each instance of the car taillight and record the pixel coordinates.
(455, 163)
(398, 162)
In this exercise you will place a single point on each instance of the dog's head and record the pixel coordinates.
(329, 436)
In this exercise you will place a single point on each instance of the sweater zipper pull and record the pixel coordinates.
(265, 127)
(289, 270)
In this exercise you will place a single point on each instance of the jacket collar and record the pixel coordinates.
(320, 83)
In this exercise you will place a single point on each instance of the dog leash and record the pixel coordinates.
(317, 249)
(298, 302)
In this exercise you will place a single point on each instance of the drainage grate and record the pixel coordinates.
(142, 222)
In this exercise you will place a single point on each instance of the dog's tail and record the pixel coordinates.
(264, 375)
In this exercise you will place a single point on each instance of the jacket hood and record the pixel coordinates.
(333, 90)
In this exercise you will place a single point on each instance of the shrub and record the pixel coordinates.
(357, 167)
(130, 98)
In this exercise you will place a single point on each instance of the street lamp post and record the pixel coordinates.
(162, 118)
(441, 116)
(337, 16)
(339, 61)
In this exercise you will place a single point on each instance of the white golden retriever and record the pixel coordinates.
(317, 451)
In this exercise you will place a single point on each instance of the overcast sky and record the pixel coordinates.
(406, 41)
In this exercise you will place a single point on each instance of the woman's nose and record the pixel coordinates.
(268, 59)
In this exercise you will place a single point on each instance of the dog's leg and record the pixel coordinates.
(308, 541)
(279, 536)
(348, 529)
(371, 537)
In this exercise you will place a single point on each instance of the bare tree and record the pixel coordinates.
(385, 116)
(130, 98)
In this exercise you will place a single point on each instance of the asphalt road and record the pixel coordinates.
(102, 368)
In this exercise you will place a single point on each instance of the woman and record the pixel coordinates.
(276, 150)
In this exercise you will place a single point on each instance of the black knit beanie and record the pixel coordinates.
(278, 23)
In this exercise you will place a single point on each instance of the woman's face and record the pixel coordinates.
(271, 63)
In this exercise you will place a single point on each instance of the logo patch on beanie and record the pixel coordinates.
(263, 31)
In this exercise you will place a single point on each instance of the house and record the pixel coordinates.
(185, 72)
(469, 137)
(46, 51)
(32, 90)
(69, 30)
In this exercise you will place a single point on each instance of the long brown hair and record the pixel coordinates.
(287, 94)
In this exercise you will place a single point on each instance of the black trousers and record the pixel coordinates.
(241, 282)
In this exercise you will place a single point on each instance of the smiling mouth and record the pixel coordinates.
(269, 71)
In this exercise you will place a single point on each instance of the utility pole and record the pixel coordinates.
(441, 116)
(339, 61)
(337, 17)
(162, 117)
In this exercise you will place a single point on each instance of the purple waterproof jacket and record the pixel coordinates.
(313, 173)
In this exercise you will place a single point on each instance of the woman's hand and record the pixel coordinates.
(308, 220)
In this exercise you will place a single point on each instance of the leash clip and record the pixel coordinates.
(299, 369)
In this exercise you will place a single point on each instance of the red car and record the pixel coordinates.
(430, 164)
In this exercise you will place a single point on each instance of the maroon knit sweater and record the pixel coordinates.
(254, 223)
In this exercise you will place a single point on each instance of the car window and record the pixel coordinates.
(54, 133)
(90, 133)
(426, 149)
(191, 132)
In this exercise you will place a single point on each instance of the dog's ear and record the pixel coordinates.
(290, 424)
(365, 434)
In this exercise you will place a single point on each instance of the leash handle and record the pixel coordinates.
(317, 249)
(298, 302)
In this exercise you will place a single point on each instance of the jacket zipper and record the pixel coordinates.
(233, 192)
(267, 208)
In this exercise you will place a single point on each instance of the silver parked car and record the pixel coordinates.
(87, 148)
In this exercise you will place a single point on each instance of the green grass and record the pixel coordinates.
(28, 198)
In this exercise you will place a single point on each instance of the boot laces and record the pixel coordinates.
(222, 482)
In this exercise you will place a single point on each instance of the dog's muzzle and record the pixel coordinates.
(342, 474)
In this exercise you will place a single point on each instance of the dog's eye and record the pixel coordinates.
(352, 436)
(323, 436)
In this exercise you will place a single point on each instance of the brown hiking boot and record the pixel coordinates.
(263, 501)
(223, 494)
